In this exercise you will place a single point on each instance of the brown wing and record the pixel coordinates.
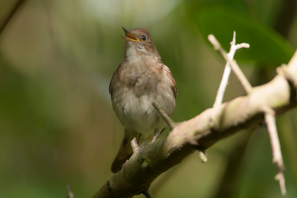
(169, 74)
(114, 79)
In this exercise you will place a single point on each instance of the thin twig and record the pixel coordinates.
(69, 194)
(202, 156)
(9, 17)
(227, 71)
(165, 117)
(134, 145)
(275, 145)
(237, 71)
(147, 194)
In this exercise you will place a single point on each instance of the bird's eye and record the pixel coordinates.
(143, 37)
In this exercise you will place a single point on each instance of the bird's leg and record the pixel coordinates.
(157, 133)
(155, 137)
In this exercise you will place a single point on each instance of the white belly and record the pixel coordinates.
(137, 113)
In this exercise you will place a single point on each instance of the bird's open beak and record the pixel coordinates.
(129, 36)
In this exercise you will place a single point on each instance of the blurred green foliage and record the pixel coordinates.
(268, 46)
(57, 126)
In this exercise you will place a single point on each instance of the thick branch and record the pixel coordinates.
(201, 132)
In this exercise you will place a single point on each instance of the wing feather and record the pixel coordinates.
(168, 73)
(114, 79)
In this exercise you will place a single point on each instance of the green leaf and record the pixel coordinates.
(266, 45)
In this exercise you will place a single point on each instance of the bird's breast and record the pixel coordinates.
(137, 113)
(132, 99)
(141, 77)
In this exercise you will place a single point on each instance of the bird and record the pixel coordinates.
(139, 80)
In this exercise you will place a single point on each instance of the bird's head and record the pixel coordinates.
(138, 42)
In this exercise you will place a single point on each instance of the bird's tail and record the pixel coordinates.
(124, 152)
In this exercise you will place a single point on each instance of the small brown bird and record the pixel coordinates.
(140, 79)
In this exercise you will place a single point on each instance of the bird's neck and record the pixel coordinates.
(134, 55)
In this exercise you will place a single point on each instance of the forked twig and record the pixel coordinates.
(269, 113)
(227, 71)
(237, 71)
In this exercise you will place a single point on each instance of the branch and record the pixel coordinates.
(241, 77)
(201, 132)
(269, 113)
(276, 152)
(165, 117)
(228, 183)
(227, 71)
(202, 156)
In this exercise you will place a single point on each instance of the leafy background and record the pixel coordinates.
(57, 126)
